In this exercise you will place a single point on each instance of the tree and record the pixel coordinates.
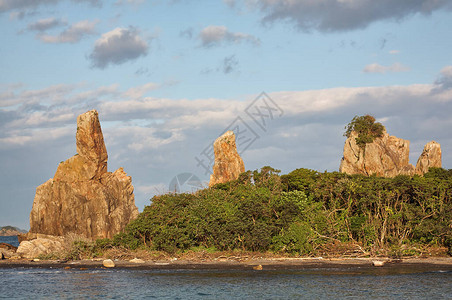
(366, 128)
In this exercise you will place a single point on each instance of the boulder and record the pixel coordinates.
(228, 164)
(387, 156)
(108, 263)
(6, 254)
(378, 263)
(429, 158)
(8, 247)
(42, 245)
(83, 198)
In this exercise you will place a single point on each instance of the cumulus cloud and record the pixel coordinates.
(444, 82)
(6, 5)
(155, 139)
(72, 34)
(117, 47)
(130, 2)
(217, 35)
(377, 68)
(342, 15)
(140, 91)
(45, 24)
(9, 5)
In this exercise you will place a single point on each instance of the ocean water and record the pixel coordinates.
(12, 240)
(321, 283)
(326, 283)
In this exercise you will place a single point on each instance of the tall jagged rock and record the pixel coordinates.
(387, 156)
(228, 164)
(429, 158)
(83, 198)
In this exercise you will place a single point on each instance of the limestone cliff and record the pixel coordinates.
(83, 198)
(228, 164)
(429, 158)
(387, 156)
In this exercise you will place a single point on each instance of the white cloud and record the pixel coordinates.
(394, 52)
(217, 35)
(73, 34)
(26, 5)
(117, 47)
(129, 2)
(140, 91)
(446, 71)
(27, 138)
(159, 189)
(377, 68)
(444, 83)
(155, 139)
(342, 15)
(45, 24)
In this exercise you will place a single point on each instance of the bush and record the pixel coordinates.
(298, 213)
(366, 128)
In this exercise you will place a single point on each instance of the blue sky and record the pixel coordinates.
(168, 77)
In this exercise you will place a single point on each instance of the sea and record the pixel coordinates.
(12, 240)
(313, 283)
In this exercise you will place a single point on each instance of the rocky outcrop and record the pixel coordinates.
(387, 156)
(42, 245)
(83, 198)
(228, 164)
(430, 158)
(10, 231)
(7, 251)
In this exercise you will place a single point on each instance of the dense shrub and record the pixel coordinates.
(299, 212)
(366, 128)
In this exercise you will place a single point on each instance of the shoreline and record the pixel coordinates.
(415, 264)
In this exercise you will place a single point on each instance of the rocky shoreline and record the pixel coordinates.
(283, 263)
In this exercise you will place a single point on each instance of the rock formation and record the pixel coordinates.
(83, 198)
(387, 156)
(10, 231)
(41, 245)
(7, 251)
(430, 158)
(228, 164)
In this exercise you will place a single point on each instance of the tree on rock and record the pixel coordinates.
(366, 128)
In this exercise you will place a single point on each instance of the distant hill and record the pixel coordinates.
(11, 230)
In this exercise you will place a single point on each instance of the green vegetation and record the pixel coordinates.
(366, 128)
(302, 213)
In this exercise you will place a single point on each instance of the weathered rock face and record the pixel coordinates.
(228, 164)
(430, 158)
(7, 251)
(83, 198)
(42, 245)
(387, 156)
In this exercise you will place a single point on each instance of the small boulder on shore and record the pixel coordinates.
(108, 263)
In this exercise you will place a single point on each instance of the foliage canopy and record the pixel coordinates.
(303, 212)
(366, 128)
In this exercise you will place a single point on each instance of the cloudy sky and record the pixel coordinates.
(168, 77)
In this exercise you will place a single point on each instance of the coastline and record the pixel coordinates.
(414, 264)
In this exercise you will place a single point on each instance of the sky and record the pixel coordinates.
(169, 77)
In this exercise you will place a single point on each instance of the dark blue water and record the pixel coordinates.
(26, 283)
(12, 240)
